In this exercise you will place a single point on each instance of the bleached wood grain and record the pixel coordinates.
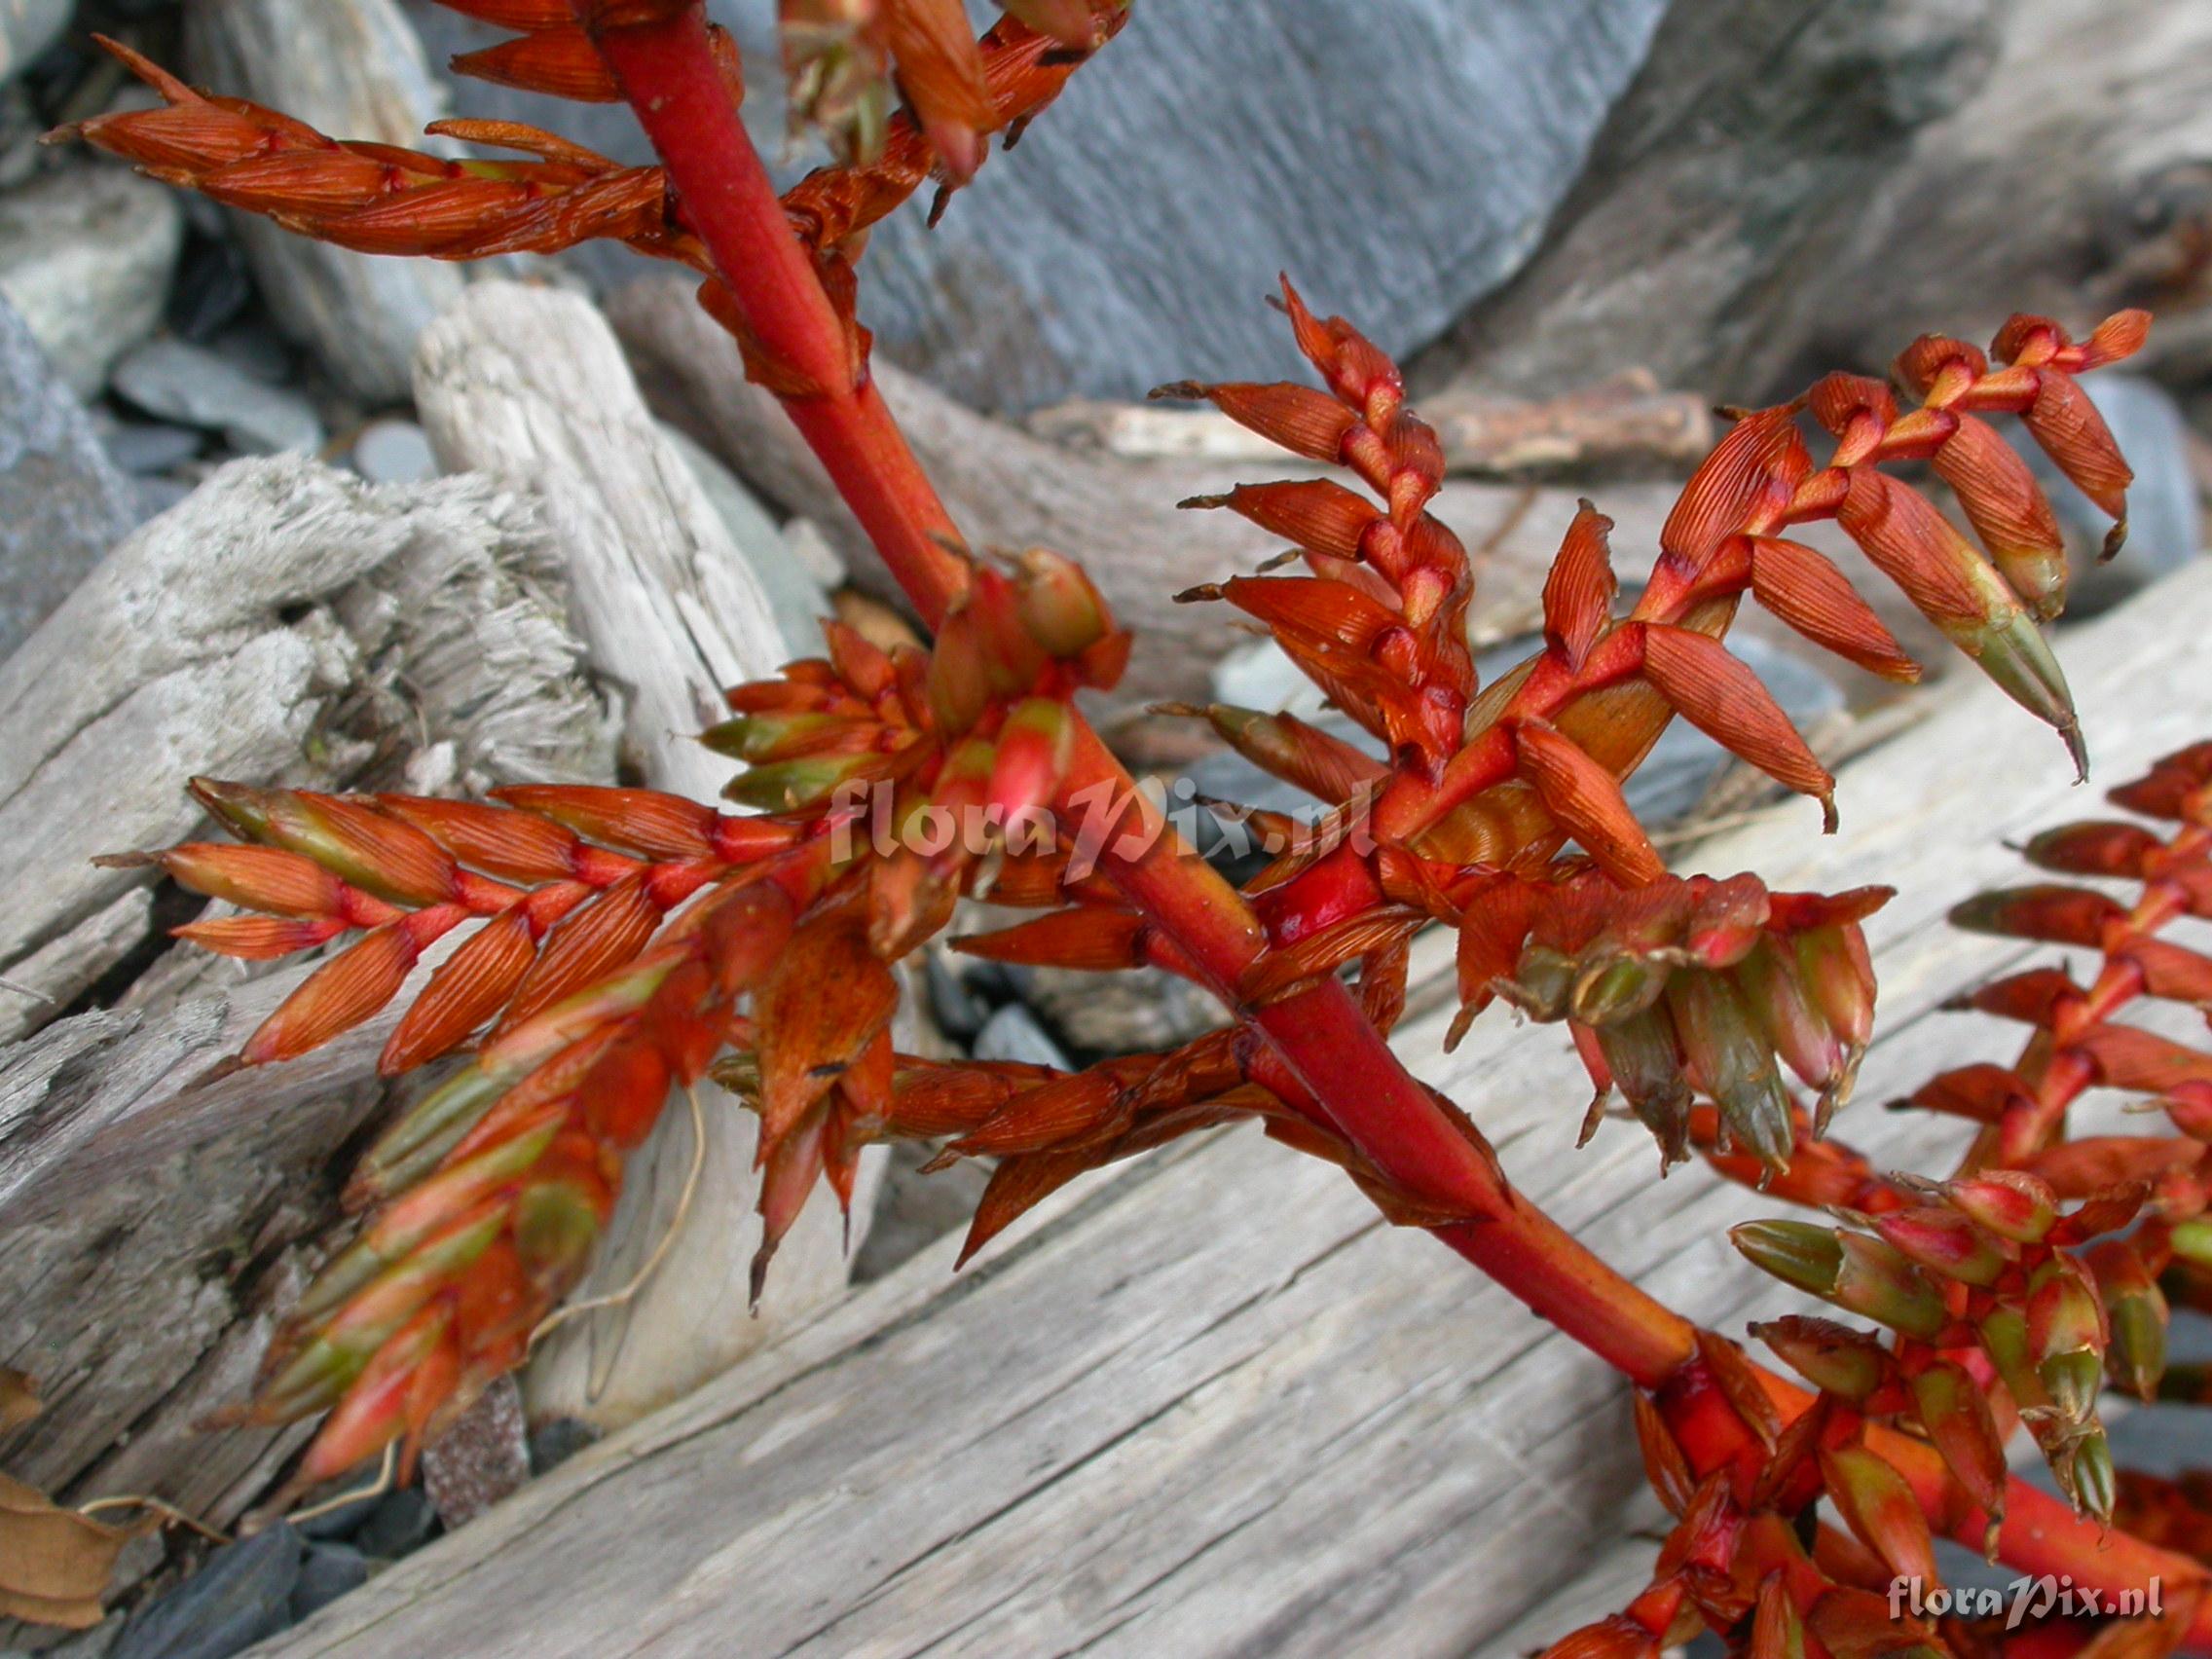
(1216, 1407)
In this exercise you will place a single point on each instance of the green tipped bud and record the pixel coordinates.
(1945, 1243)
(2066, 1338)
(795, 786)
(1834, 1358)
(1542, 983)
(1880, 1283)
(2009, 1202)
(782, 736)
(1058, 605)
(1796, 1252)
(1728, 1057)
(1639, 1053)
(1617, 987)
(2090, 1478)
(2135, 1314)
(1770, 982)
(556, 1226)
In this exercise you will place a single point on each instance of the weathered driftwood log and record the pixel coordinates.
(1215, 1405)
(1624, 426)
(1783, 178)
(355, 69)
(529, 386)
(152, 1217)
(285, 622)
(1007, 488)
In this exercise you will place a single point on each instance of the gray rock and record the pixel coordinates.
(212, 286)
(62, 502)
(254, 347)
(155, 496)
(957, 1009)
(353, 68)
(27, 28)
(243, 1593)
(329, 1571)
(793, 593)
(1119, 1013)
(1720, 228)
(86, 253)
(1014, 1034)
(554, 1443)
(143, 446)
(2164, 528)
(394, 452)
(1261, 676)
(181, 382)
(400, 1522)
(914, 1209)
(1212, 146)
(481, 1458)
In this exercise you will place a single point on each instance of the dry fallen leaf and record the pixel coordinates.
(18, 1398)
(55, 1564)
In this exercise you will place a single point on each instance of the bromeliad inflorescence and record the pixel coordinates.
(617, 943)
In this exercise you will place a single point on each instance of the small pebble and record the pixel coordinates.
(394, 452)
(482, 1457)
(555, 1442)
(212, 287)
(400, 1522)
(328, 1572)
(959, 1012)
(255, 350)
(181, 382)
(241, 1594)
(144, 447)
(1014, 1034)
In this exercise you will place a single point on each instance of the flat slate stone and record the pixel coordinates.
(63, 503)
(1399, 161)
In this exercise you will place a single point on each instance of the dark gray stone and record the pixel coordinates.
(62, 502)
(554, 1443)
(400, 1522)
(86, 253)
(212, 287)
(328, 1572)
(1399, 160)
(144, 447)
(27, 28)
(241, 1594)
(178, 380)
(957, 1009)
(1014, 1034)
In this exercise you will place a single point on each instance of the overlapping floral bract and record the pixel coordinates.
(2015, 1292)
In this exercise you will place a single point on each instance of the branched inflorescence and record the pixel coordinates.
(613, 945)
(2014, 1292)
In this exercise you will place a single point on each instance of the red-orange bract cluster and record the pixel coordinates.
(619, 927)
(2043, 1269)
